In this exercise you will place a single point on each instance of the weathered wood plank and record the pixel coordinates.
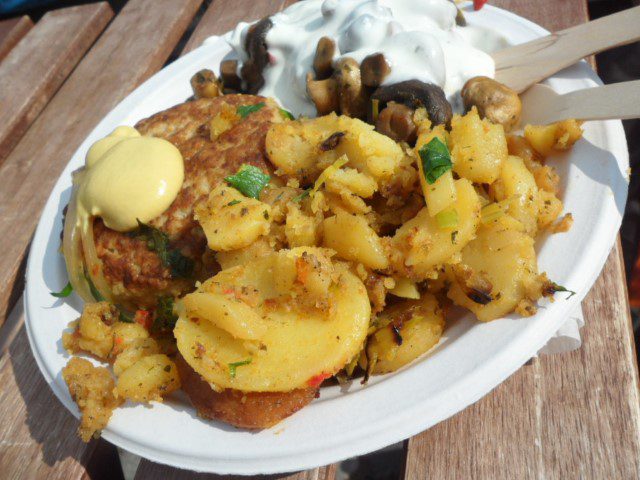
(575, 415)
(38, 438)
(221, 17)
(34, 70)
(150, 471)
(135, 45)
(11, 32)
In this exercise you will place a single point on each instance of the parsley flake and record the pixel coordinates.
(249, 181)
(65, 292)
(245, 110)
(172, 258)
(234, 365)
(287, 115)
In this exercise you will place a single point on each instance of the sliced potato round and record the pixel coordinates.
(411, 329)
(302, 342)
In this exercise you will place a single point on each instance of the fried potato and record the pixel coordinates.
(353, 239)
(479, 147)
(232, 221)
(92, 390)
(253, 410)
(299, 148)
(507, 261)
(150, 378)
(302, 340)
(94, 332)
(546, 139)
(421, 245)
(411, 328)
(518, 187)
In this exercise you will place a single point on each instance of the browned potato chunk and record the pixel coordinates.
(150, 378)
(92, 390)
(547, 139)
(494, 101)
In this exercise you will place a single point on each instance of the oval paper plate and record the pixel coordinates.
(471, 359)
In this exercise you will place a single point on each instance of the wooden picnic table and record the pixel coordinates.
(575, 415)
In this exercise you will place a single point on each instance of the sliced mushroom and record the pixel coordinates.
(415, 94)
(460, 20)
(205, 84)
(324, 94)
(323, 61)
(353, 96)
(374, 69)
(229, 75)
(494, 101)
(396, 122)
(255, 45)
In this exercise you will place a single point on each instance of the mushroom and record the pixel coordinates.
(374, 69)
(323, 61)
(205, 84)
(352, 95)
(460, 20)
(324, 94)
(494, 101)
(396, 122)
(414, 94)
(255, 45)
(229, 75)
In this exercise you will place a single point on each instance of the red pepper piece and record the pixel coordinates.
(317, 380)
(478, 4)
(143, 317)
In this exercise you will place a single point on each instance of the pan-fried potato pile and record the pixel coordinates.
(346, 258)
(353, 219)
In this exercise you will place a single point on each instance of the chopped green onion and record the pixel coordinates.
(249, 181)
(65, 292)
(436, 160)
(234, 365)
(94, 291)
(286, 114)
(302, 196)
(125, 316)
(232, 203)
(553, 287)
(245, 110)
(491, 212)
(447, 218)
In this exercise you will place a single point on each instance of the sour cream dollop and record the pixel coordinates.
(419, 39)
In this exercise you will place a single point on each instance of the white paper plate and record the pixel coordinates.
(470, 361)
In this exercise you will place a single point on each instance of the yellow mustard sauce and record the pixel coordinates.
(128, 177)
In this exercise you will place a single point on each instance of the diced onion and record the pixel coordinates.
(327, 173)
(447, 218)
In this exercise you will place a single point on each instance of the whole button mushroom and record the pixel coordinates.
(352, 95)
(396, 122)
(374, 69)
(494, 101)
(323, 60)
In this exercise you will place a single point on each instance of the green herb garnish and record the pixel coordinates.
(249, 181)
(65, 292)
(125, 316)
(553, 287)
(158, 241)
(234, 365)
(436, 160)
(164, 319)
(232, 203)
(286, 114)
(246, 110)
(302, 196)
(93, 289)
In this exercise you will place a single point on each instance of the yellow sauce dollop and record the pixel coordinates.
(129, 178)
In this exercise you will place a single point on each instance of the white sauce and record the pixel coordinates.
(419, 39)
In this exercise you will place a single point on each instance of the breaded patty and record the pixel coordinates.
(253, 410)
(136, 273)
